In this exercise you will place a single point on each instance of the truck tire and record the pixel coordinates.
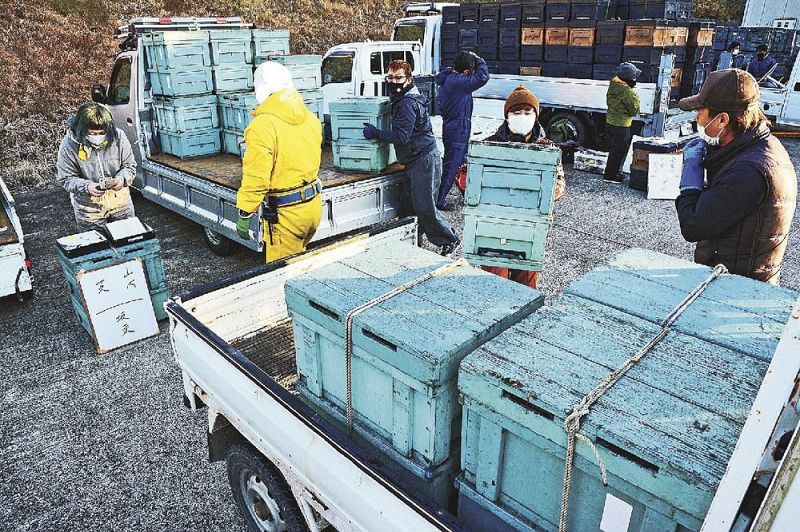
(219, 244)
(564, 126)
(261, 493)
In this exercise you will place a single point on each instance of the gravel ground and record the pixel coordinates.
(92, 442)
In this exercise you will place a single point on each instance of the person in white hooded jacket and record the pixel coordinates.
(96, 166)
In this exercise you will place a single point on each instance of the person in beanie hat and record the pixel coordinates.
(522, 125)
(738, 186)
(623, 106)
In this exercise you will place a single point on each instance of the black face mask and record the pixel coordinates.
(395, 88)
(631, 84)
(762, 55)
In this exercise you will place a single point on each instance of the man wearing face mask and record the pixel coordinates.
(623, 106)
(761, 65)
(281, 162)
(96, 166)
(730, 57)
(742, 216)
(456, 85)
(412, 136)
(522, 114)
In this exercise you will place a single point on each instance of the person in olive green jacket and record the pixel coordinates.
(623, 106)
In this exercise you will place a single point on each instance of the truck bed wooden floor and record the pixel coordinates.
(7, 233)
(226, 169)
(272, 350)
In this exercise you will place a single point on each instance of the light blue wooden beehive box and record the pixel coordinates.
(314, 100)
(232, 77)
(181, 81)
(508, 203)
(305, 69)
(190, 143)
(665, 432)
(351, 151)
(231, 47)
(406, 349)
(269, 42)
(195, 113)
(74, 259)
(176, 49)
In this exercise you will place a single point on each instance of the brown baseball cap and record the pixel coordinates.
(731, 88)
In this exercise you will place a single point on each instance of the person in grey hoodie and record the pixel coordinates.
(96, 166)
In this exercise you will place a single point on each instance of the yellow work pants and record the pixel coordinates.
(295, 229)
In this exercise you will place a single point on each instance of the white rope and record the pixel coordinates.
(572, 424)
(348, 326)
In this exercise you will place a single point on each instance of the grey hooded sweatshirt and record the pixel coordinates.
(74, 173)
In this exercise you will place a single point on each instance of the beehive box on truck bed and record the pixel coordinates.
(351, 151)
(406, 349)
(664, 432)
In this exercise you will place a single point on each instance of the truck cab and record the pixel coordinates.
(358, 69)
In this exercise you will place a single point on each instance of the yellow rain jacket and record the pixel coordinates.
(283, 152)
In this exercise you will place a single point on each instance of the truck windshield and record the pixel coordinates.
(410, 32)
(337, 68)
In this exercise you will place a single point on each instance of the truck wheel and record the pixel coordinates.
(564, 126)
(261, 492)
(219, 244)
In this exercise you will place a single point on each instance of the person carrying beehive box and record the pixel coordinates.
(280, 166)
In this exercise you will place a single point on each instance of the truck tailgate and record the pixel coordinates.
(233, 341)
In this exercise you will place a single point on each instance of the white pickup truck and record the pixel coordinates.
(15, 275)
(204, 189)
(292, 469)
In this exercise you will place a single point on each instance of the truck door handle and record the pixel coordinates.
(129, 121)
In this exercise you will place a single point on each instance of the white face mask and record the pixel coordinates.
(521, 124)
(735, 52)
(712, 141)
(95, 140)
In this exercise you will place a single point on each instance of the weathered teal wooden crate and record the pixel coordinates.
(664, 432)
(191, 143)
(74, 260)
(403, 389)
(181, 81)
(186, 113)
(508, 243)
(233, 77)
(314, 100)
(236, 110)
(176, 49)
(269, 42)
(231, 46)
(233, 142)
(511, 180)
(305, 69)
(349, 114)
(360, 155)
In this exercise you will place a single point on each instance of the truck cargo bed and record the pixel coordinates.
(272, 350)
(8, 235)
(226, 169)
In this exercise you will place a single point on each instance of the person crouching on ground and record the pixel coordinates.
(96, 166)
(623, 106)
(414, 143)
(522, 125)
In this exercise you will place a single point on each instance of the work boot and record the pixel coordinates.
(450, 247)
(617, 179)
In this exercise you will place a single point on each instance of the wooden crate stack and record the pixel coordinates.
(406, 349)
(664, 433)
(508, 203)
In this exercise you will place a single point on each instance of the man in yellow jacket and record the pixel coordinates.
(281, 162)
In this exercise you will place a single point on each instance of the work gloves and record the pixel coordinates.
(370, 131)
(243, 226)
(693, 154)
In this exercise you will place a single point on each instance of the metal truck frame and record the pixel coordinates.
(15, 275)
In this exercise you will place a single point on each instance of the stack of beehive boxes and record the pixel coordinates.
(647, 40)
(405, 350)
(509, 203)
(664, 433)
(351, 151)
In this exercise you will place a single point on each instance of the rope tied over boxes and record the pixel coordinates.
(572, 424)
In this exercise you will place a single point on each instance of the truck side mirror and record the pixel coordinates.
(99, 93)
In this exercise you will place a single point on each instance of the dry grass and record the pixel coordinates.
(52, 51)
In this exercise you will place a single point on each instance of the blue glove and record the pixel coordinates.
(693, 154)
(370, 131)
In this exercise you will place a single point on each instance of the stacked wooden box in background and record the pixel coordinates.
(202, 83)
(351, 151)
(508, 203)
(783, 45)
(406, 350)
(665, 432)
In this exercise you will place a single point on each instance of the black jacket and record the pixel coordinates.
(411, 134)
(742, 218)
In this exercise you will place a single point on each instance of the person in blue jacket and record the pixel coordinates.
(456, 85)
(762, 63)
(415, 145)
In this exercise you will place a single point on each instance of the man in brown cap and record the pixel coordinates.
(522, 125)
(741, 217)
